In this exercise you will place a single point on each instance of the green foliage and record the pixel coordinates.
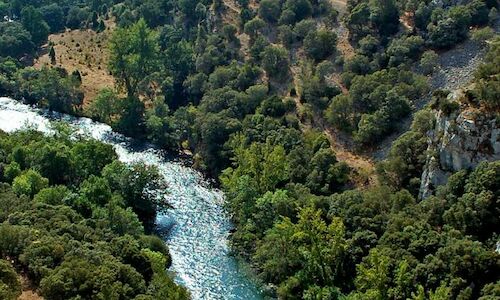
(32, 20)
(254, 26)
(320, 44)
(429, 61)
(486, 89)
(192, 79)
(15, 40)
(381, 16)
(301, 9)
(29, 183)
(161, 127)
(83, 238)
(309, 252)
(377, 102)
(407, 156)
(404, 50)
(76, 17)
(52, 195)
(141, 188)
(264, 163)
(269, 10)
(10, 287)
(53, 15)
(372, 278)
(110, 279)
(50, 87)
(275, 62)
(104, 106)
(483, 35)
(451, 27)
(133, 57)
(474, 213)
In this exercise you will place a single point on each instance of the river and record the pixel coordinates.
(198, 238)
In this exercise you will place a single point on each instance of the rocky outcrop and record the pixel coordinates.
(460, 140)
(447, 3)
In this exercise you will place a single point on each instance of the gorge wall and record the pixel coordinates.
(459, 140)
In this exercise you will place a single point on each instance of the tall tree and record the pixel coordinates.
(134, 57)
(32, 20)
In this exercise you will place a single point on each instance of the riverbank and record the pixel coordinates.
(198, 240)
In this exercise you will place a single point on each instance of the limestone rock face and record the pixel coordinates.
(459, 141)
(446, 3)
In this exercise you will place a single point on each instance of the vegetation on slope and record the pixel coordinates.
(251, 96)
(77, 222)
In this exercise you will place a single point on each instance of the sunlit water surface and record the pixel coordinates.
(198, 239)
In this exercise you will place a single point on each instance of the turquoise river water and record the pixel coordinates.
(198, 225)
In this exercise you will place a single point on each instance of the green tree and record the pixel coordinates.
(322, 246)
(275, 62)
(105, 106)
(253, 27)
(29, 183)
(53, 14)
(320, 44)
(15, 41)
(52, 55)
(33, 21)
(269, 10)
(10, 287)
(161, 127)
(141, 187)
(52, 195)
(374, 276)
(300, 8)
(134, 56)
(277, 253)
(429, 61)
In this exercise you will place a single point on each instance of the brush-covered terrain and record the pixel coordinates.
(319, 119)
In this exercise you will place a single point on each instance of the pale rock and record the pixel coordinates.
(459, 141)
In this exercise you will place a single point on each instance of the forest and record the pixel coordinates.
(77, 223)
(253, 89)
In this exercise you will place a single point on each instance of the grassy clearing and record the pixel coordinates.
(85, 51)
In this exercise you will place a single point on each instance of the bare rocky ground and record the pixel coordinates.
(455, 70)
(457, 66)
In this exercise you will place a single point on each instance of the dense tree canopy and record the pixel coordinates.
(256, 91)
(84, 236)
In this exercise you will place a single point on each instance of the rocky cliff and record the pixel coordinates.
(459, 140)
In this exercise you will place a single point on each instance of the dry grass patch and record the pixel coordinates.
(85, 51)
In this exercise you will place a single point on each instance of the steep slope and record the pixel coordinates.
(460, 140)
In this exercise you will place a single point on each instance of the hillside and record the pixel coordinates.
(85, 51)
(355, 142)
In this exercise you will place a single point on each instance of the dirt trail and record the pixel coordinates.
(362, 167)
(231, 15)
(343, 44)
(28, 292)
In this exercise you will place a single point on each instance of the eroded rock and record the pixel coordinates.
(459, 141)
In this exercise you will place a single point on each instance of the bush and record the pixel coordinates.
(253, 27)
(275, 62)
(301, 8)
(10, 287)
(483, 34)
(303, 28)
(52, 195)
(320, 44)
(269, 10)
(429, 62)
(29, 183)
